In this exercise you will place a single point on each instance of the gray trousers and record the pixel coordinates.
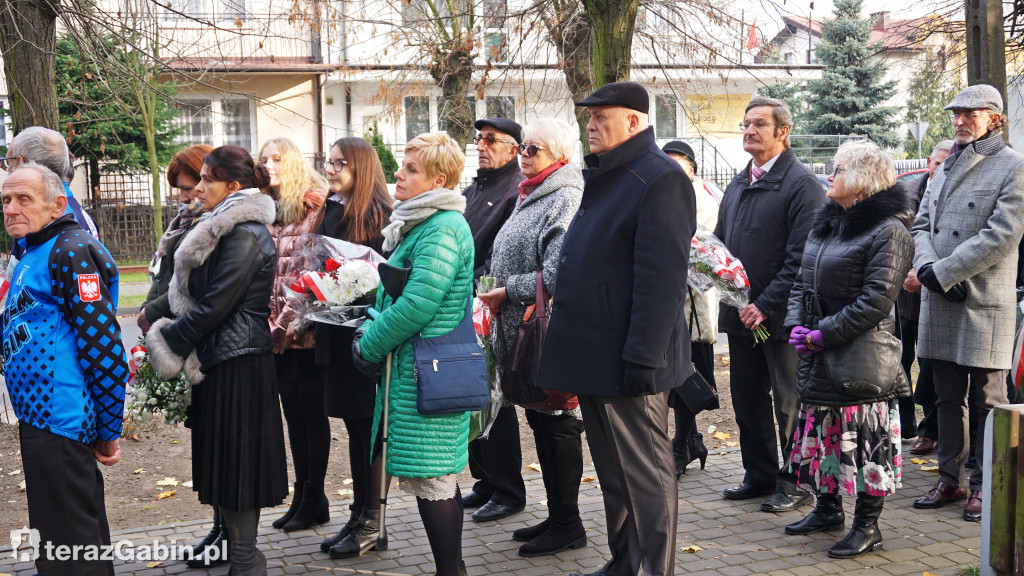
(759, 377)
(952, 384)
(632, 451)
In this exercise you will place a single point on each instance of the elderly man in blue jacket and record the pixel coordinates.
(617, 337)
(65, 368)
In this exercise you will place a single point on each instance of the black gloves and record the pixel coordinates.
(639, 380)
(956, 293)
(368, 368)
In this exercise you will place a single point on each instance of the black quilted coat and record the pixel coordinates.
(866, 252)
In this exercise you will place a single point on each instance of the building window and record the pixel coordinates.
(501, 107)
(217, 122)
(496, 48)
(217, 9)
(811, 57)
(231, 9)
(417, 116)
(665, 116)
(790, 58)
(495, 12)
(442, 113)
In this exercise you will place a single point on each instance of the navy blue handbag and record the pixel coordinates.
(451, 370)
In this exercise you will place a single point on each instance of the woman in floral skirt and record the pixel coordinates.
(860, 251)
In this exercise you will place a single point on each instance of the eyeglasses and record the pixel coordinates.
(759, 125)
(490, 139)
(530, 150)
(968, 115)
(5, 163)
(835, 173)
(335, 165)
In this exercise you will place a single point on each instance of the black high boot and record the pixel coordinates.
(864, 536)
(827, 516)
(698, 451)
(314, 509)
(214, 552)
(359, 540)
(293, 508)
(357, 519)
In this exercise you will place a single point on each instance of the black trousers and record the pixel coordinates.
(496, 462)
(761, 376)
(65, 500)
(924, 396)
(560, 452)
(908, 338)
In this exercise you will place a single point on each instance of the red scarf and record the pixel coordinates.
(530, 184)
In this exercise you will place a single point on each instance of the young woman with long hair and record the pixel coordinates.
(300, 193)
(357, 210)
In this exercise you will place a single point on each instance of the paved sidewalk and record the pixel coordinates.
(736, 539)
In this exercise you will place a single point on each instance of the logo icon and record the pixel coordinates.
(89, 287)
(25, 544)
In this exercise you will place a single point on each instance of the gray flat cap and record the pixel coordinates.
(978, 97)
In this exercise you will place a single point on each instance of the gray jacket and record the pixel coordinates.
(968, 228)
(531, 240)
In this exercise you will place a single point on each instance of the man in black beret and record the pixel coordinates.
(497, 461)
(617, 337)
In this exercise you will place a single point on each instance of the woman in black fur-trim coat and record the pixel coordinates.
(860, 250)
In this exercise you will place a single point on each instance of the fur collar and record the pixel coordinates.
(196, 248)
(833, 220)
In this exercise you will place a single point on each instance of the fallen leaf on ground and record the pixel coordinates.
(167, 482)
(165, 495)
(343, 492)
(691, 549)
(138, 471)
(712, 428)
(21, 486)
(719, 435)
(929, 468)
(535, 467)
(133, 436)
(587, 479)
(346, 481)
(15, 473)
(732, 444)
(187, 484)
(153, 564)
(933, 460)
(918, 460)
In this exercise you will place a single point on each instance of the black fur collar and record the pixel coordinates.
(833, 220)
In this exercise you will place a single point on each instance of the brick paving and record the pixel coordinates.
(735, 538)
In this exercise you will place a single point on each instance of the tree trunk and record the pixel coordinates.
(28, 37)
(149, 120)
(567, 25)
(452, 68)
(611, 24)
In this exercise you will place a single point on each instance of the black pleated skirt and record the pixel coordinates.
(238, 457)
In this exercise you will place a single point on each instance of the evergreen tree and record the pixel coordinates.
(794, 94)
(97, 114)
(927, 104)
(387, 159)
(850, 97)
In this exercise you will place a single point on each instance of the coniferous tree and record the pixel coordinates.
(387, 158)
(850, 97)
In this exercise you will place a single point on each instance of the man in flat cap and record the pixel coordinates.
(617, 336)
(966, 235)
(496, 462)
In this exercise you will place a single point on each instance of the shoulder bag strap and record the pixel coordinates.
(542, 296)
(693, 313)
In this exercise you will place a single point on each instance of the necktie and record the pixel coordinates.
(756, 173)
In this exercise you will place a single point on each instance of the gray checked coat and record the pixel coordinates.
(969, 225)
(530, 240)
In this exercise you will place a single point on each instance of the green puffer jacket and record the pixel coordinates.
(432, 304)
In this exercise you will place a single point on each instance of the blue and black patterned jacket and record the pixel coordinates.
(64, 362)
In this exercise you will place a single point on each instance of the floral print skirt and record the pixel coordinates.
(848, 449)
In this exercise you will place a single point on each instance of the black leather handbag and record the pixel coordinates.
(697, 393)
(451, 370)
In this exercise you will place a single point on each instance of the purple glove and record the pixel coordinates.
(798, 334)
(810, 343)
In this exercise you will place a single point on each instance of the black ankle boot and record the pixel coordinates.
(314, 509)
(827, 516)
(554, 540)
(360, 540)
(530, 532)
(216, 551)
(293, 508)
(698, 451)
(210, 537)
(864, 536)
(353, 523)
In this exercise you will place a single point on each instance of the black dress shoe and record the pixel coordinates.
(553, 541)
(216, 553)
(782, 502)
(474, 500)
(747, 491)
(494, 511)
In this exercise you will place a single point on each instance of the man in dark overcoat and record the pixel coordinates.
(617, 336)
(764, 220)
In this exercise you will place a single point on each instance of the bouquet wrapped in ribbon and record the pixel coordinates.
(331, 281)
(712, 265)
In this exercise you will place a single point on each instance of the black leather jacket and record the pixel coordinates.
(866, 252)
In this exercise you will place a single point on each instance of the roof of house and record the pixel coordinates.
(893, 35)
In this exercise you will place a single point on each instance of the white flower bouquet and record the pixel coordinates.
(149, 394)
(331, 281)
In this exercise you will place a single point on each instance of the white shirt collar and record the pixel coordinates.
(767, 165)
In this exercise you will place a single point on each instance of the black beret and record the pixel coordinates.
(626, 94)
(505, 125)
(678, 147)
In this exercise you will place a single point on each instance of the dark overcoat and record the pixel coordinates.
(622, 275)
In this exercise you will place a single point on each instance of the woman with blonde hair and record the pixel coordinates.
(429, 235)
(299, 192)
(356, 211)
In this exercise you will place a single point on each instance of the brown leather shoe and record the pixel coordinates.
(923, 445)
(940, 495)
(972, 512)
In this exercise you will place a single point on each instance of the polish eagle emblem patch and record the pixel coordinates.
(89, 287)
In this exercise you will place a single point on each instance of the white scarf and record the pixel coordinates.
(232, 198)
(409, 213)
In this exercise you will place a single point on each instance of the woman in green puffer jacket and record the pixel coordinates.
(427, 229)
